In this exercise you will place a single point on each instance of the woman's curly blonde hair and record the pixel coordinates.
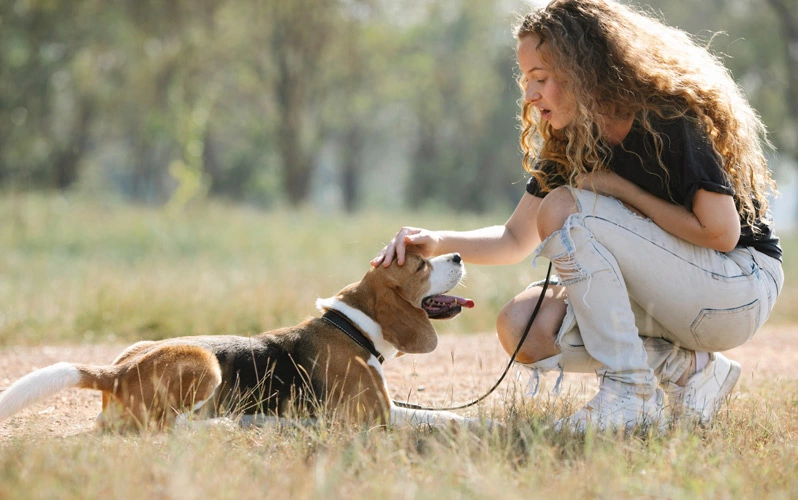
(617, 62)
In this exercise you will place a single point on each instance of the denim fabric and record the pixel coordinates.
(635, 290)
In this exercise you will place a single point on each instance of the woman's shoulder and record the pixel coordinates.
(684, 127)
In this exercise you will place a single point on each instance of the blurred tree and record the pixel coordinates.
(172, 84)
(787, 13)
(46, 96)
(254, 99)
(300, 34)
(353, 94)
(238, 148)
(748, 39)
(460, 64)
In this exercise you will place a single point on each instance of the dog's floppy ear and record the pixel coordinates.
(403, 324)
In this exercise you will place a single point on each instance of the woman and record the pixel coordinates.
(648, 193)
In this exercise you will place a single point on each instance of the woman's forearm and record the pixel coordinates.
(488, 246)
(506, 244)
(713, 223)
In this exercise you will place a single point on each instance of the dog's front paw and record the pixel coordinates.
(481, 424)
(187, 421)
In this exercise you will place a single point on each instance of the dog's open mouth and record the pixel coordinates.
(445, 306)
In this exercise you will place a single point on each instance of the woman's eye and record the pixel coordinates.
(541, 81)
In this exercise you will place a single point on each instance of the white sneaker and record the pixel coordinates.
(703, 394)
(615, 407)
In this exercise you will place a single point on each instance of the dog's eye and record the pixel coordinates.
(421, 265)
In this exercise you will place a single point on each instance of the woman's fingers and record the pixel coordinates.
(400, 245)
(385, 257)
(395, 249)
(376, 261)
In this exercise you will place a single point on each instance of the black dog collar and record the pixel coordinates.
(342, 323)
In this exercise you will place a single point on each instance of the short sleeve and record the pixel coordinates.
(553, 179)
(686, 153)
(702, 166)
(533, 188)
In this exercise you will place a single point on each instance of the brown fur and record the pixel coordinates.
(147, 391)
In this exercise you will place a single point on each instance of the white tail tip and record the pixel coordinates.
(37, 386)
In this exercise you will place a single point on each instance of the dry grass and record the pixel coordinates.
(90, 278)
(749, 453)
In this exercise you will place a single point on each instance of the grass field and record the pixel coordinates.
(75, 271)
(79, 273)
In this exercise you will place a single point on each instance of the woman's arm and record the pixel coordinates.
(507, 244)
(714, 222)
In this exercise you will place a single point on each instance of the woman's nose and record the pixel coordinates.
(531, 95)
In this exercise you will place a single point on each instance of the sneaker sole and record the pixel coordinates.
(725, 389)
(731, 379)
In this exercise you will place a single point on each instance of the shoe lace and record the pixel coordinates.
(533, 383)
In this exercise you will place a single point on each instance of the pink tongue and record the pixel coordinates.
(467, 303)
(449, 299)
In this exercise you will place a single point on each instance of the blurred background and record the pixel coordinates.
(213, 166)
(338, 104)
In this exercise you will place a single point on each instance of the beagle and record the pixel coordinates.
(326, 366)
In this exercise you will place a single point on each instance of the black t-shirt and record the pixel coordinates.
(692, 164)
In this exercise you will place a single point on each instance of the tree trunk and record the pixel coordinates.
(67, 161)
(3, 168)
(210, 160)
(425, 160)
(290, 96)
(351, 167)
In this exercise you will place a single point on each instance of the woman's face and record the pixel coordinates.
(542, 90)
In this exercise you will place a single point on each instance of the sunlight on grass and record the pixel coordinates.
(77, 270)
(74, 271)
(742, 456)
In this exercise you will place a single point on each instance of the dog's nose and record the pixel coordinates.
(456, 258)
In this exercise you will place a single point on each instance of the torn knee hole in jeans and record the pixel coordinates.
(567, 269)
(560, 248)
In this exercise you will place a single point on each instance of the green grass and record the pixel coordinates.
(73, 270)
(786, 310)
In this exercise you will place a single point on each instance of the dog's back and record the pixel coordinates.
(270, 373)
(308, 370)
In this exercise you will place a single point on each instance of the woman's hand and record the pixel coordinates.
(713, 222)
(425, 242)
(609, 184)
(604, 182)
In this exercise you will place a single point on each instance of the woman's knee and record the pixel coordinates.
(541, 340)
(556, 207)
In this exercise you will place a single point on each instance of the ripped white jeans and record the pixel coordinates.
(640, 300)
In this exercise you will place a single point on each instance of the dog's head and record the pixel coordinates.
(403, 299)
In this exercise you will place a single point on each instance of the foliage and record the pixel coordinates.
(753, 40)
(342, 103)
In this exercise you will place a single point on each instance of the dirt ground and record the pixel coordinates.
(461, 368)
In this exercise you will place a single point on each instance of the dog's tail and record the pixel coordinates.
(50, 380)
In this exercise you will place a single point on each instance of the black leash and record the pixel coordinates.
(509, 365)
